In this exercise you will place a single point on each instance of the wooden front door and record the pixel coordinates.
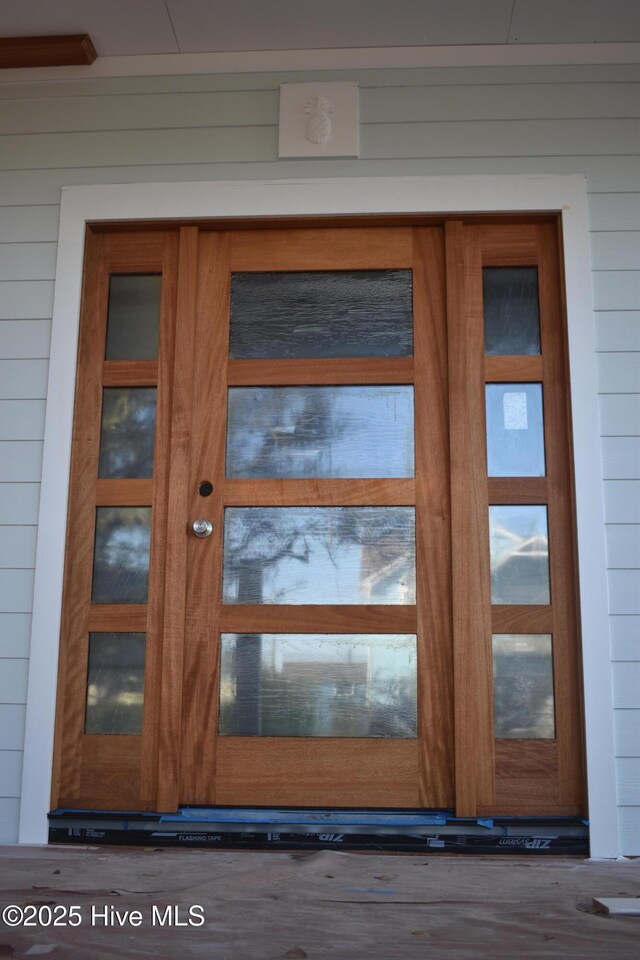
(262, 602)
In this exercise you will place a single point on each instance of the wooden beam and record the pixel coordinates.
(65, 51)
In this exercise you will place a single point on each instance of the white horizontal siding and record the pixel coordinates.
(616, 290)
(625, 637)
(618, 331)
(620, 415)
(17, 548)
(16, 594)
(623, 545)
(19, 503)
(619, 372)
(615, 211)
(15, 635)
(25, 379)
(9, 813)
(25, 299)
(22, 339)
(13, 681)
(22, 419)
(27, 261)
(621, 458)
(616, 251)
(624, 591)
(12, 726)
(20, 460)
(628, 780)
(29, 224)
(11, 761)
(627, 733)
(622, 501)
(626, 685)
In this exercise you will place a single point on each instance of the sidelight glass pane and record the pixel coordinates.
(318, 685)
(319, 555)
(511, 314)
(515, 430)
(115, 683)
(340, 313)
(128, 432)
(320, 432)
(523, 705)
(133, 320)
(519, 554)
(121, 555)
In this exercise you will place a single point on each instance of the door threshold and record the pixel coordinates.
(419, 831)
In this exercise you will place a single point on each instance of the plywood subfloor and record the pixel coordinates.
(283, 906)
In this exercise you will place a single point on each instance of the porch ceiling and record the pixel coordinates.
(122, 28)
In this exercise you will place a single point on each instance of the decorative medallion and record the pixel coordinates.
(318, 126)
(319, 120)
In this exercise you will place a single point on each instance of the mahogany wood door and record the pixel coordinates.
(370, 622)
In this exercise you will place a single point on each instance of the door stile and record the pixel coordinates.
(473, 678)
(204, 600)
(433, 522)
(169, 733)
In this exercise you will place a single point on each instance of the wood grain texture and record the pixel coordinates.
(561, 515)
(526, 773)
(199, 721)
(169, 740)
(281, 373)
(521, 619)
(124, 493)
(513, 369)
(126, 617)
(469, 525)
(273, 618)
(74, 49)
(355, 248)
(518, 490)
(317, 772)
(319, 493)
(433, 523)
(130, 373)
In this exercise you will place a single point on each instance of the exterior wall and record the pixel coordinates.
(426, 122)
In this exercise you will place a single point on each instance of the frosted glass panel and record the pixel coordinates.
(316, 685)
(134, 317)
(121, 556)
(319, 555)
(515, 430)
(320, 432)
(128, 432)
(523, 686)
(511, 315)
(343, 313)
(519, 554)
(115, 683)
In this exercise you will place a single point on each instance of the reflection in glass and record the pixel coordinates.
(340, 313)
(519, 554)
(317, 685)
(515, 432)
(115, 683)
(523, 686)
(121, 555)
(511, 314)
(128, 432)
(320, 432)
(133, 319)
(319, 555)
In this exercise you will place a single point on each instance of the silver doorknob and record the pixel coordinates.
(202, 528)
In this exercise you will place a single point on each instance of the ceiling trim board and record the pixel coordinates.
(23, 53)
(362, 58)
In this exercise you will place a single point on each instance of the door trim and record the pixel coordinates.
(371, 195)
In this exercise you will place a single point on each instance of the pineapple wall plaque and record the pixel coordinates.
(319, 120)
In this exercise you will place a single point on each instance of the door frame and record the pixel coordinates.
(299, 198)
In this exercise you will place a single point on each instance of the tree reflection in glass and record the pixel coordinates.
(128, 432)
(121, 555)
(519, 549)
(320, 431)
(319, 555)
(523, 704)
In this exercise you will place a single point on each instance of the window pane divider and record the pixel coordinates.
(319, 492)
(518, 369)
(518, 490)
(312, 372)
(124, 493)
(129, 373)
(347, 618)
